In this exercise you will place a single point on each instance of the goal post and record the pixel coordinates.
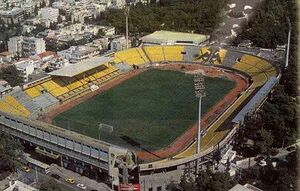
(105, 128)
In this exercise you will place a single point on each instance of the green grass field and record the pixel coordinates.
(152, 108)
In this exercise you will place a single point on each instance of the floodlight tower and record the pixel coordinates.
(199, 92)
(127, 8)
(288, 44)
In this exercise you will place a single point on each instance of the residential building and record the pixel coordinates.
(78, 53)
(118, 44)
(25, 68)
(26, 45)
(11, 17)
(4, 87)
(49, 14)
(57, 63)
(33, 46)
(6, 56)
(15, 44)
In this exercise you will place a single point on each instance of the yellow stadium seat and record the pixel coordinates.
(155, 53)
(32, 92)
(242, 66)
(18, 108)
(173, 53)
(222, 54)
(131, 56)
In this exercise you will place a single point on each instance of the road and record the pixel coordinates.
(90, 183)
(30, 179)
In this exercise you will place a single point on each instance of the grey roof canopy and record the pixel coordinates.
(255, 101)
(80, 67)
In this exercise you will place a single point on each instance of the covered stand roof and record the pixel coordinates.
(170, 38)
(81, 67)
(256, 100)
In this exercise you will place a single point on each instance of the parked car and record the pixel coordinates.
(262, 163)
(82, 186)
(26, 169)
(70, 180)
(291, 148)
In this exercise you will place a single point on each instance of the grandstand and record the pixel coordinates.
(155, 53)
(132, 56)
(75, 81)
(173, 53)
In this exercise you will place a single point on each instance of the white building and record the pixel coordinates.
(119, 4)
(57, 63)
(49, 14)
(33, 46)
(27, 45)
(19, 186)
(12, 17)
(4, 87)
(15, 44)
(6, 56)
(119, 44)
(78, 53)
(24, 68)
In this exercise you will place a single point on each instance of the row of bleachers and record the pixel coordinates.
(155, 53)
(64, 87)
(258, 69)
(132, 56)
(10, 105)
(173, 53)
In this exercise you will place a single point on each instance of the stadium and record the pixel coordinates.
(142, 99)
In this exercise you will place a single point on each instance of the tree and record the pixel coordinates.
(265, 141)
(268, 26)
(36, 10)
(50, 185)
(59, 19)
(101, 32)
(11, 151)
(10, 74)
(205, 181)
(186, 16)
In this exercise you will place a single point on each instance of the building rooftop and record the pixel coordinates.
(17, 185)
(80, 67)
(6, 53)
(45, 54)
(246, 187)
(169, 37)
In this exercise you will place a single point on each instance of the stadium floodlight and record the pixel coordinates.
(127, 8)
(199, 92)
(288, 44)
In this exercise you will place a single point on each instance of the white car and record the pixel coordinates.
(262, 163)
(82, 186)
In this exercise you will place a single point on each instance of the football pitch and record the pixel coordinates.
(149, 110)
